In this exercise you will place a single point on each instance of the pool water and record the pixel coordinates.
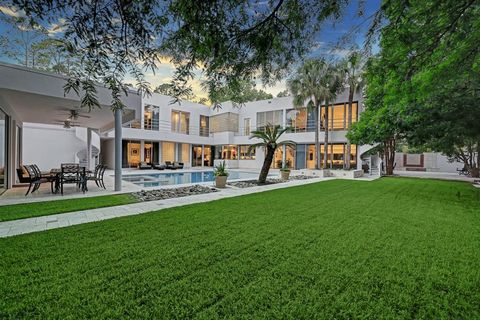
(173, 178)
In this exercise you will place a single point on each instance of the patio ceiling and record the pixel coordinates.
(39, 97)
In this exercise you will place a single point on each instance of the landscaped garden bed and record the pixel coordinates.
(254, 183)
(161, 194)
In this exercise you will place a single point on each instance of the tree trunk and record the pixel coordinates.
(325, 145)
(389, 152)
(349, 146)
(475, 172)
(317, 142)
(266, 165)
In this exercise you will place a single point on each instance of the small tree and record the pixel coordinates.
(270, 141)
(380, 123)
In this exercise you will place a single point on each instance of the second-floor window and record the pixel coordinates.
(246, 127)
(269, 117)
(300, 120)
(151, 119)
(204, 126)
(180, 122)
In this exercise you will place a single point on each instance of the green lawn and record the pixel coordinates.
(393, 248)
(36, 209)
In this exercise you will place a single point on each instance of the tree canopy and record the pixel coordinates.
(226, 40)
(430, 61)
(239, 92)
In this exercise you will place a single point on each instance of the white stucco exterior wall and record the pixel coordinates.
(49, 146)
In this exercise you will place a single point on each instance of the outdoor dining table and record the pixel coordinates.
(58, 171)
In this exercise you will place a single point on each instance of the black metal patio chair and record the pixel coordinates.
(72, 173)
(98, 176)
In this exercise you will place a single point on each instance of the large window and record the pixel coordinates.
(131, 153)
(184, 152)
(269, 117)
(180, 122)
(229, 152)
(3, 151)
(246, 127)
(150, 152)
(151, 117)
(305, 156)
(204, 126)
(245, 154)
(300, 120)
(168, 151)
(224, 122)
(338, 116)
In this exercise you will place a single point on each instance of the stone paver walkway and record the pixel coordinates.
(16, 227)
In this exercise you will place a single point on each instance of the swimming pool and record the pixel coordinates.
(165, 179)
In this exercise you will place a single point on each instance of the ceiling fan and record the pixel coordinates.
(67, 124)
(73, 114)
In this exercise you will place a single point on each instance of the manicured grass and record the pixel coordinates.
(36, 209)
(389, 249)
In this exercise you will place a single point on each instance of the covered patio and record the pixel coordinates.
(35, 97)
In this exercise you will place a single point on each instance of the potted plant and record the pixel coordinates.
(221, 175)
(285, 173)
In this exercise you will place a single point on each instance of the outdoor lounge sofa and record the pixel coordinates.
(178, 165)
(169, 165)
(144, 166)
(159, 166)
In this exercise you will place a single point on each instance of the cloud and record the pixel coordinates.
(58, 27)
(12, 12)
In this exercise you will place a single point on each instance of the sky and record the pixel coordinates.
(326, 41)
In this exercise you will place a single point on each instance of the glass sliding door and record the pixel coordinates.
(168, 151)
(197, 156)
(300, 156)
(3, 151)
(148, 152)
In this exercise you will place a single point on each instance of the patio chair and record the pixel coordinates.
(144, 166)
(35, 178)
(74, 174)
(159, 166)
(97, 176)
(46, 177)
(31, 179)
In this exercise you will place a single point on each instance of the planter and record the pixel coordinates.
(285, 174)
(220, 181)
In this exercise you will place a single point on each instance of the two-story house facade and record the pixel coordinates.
(199, 136)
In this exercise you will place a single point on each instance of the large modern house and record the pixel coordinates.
(198, 135)
(41, 124)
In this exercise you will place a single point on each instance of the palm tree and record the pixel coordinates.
(352, 69)
(311, 86)
(270, 141)
(332, 84)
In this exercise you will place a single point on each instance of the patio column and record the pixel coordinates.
(118, 150)
(203, 155)
(89, 148)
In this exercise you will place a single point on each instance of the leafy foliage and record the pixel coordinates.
(430, 60)
(220, 170)
(270, 141)
(284, 93)
(239, 92)
(228, 41)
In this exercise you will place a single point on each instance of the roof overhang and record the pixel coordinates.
(39, 97)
